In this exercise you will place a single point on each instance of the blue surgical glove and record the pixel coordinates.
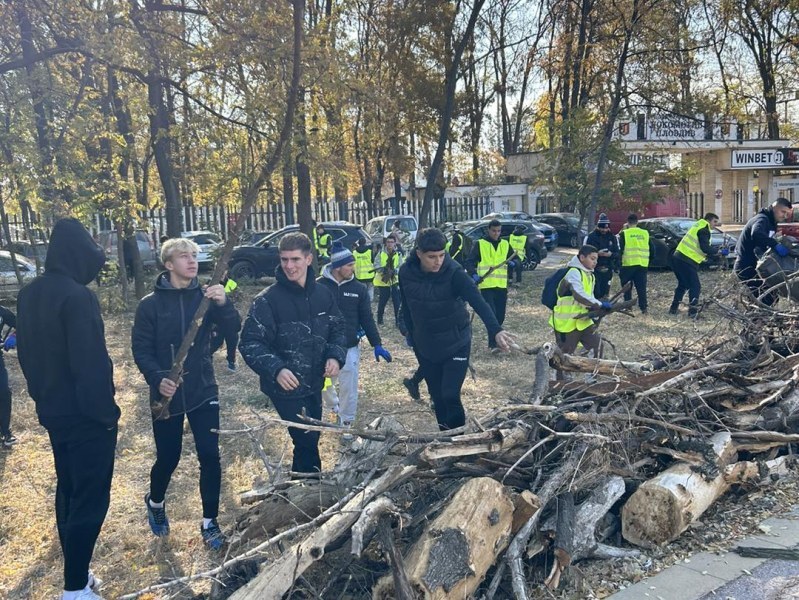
(381, 352)
(475, 277)
(11, 342)
(725, 251)
(606, 305)
(781, 250)
(511, 264)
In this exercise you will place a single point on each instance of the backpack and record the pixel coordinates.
(549, 295)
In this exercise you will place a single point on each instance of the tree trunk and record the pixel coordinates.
(304, 200)
(450, 85)
(663, 507)
(450, 559)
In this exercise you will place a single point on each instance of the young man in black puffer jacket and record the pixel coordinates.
(352, 298)
(162, 320)
(434, 291)
(293, 338)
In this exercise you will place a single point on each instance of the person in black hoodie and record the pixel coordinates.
(352, 298)
(755, 239)
(294, 337)
(62, 352)
(603, 240)
(434, 290)
(7, 319)
(162, 319)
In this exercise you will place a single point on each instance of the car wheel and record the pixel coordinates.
(574, 241)
(243, 270)
(531, 260)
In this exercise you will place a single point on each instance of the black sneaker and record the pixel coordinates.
(159, 524)
(413, 388)
(8, 440)
(213, 536)
(231, 365)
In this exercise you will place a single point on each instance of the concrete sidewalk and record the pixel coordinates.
(709, 575)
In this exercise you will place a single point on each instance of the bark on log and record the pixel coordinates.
(278, 577)
(663, 507)
(564, 539)
(452, 556)
(494, 441)
(525, 506)
(570, 362)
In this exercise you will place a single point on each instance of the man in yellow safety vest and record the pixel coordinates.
(489, 253)
(575, 299)
(635, 252)
(518, 243)
(364, 267)
(322, 243)
(455, 246)
(386, 266)
(692, 251)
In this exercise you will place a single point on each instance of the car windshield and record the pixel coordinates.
(206, 238)
(405, 224)
(573, 221)
(682, 226)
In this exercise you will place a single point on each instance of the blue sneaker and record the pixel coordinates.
(213, 536)
(159, 524)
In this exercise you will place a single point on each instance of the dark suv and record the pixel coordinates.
(535, 251)
(262, 259)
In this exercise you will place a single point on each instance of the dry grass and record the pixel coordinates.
(127, 556)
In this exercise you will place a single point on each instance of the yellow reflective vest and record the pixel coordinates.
(230, 286)
(519, 244)
(689, 245)
(459, 250)
(364, 269)
(381, 279)
(569, 314)
(322, 243)
(636, 247)
(491, 257)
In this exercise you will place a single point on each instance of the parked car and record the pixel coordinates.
(250, 238)
(666, 233)
(28, 250)
(535, 251)
(380, 227)
(262, 259)
(9, 284)
(208, 242)
(550, 233)
(147, 249)
(569, 234)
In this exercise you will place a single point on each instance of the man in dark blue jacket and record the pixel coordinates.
(7, 319)
(62, 352)
(352, 298)
(755, 239)
(162, 320)
(293, 338)
(434, 291)
(605, 241)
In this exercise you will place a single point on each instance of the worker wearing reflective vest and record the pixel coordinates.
(322, 243)
(635, 252)
(386, 266)
(230, 337)
(455, 246)
(489, 252)
(569, 318)
(364, 267)
(692, 251)
(518, 243)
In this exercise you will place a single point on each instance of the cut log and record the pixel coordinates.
(455, 551)
(278, 577)
(570, 362)
(564, 539)
(494, 441)
(663, 507)
(525, 506)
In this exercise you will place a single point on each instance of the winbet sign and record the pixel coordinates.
(765, 159)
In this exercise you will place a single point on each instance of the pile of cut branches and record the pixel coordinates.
(619, 456)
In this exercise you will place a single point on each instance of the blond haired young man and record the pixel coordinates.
(162, 320)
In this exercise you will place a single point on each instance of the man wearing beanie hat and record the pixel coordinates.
(352, 298)
(603, 240)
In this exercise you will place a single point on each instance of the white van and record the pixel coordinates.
(380, 227)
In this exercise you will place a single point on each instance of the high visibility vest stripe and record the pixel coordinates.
(490, 257)
(230, 286)
(569, 314)
(689, 245)
(636, 247)
(364, 270)
(519, 244)
(379, 280)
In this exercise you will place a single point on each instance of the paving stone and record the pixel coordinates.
(674, 583)
(727, 566)
(783, 531)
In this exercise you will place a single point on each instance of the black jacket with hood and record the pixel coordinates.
(61, 337)
(755, 239)
(352, 298)
(295, 328)
(162, 319)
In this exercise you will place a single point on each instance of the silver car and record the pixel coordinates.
(147, 250)
(208, 242)
(9, 284)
